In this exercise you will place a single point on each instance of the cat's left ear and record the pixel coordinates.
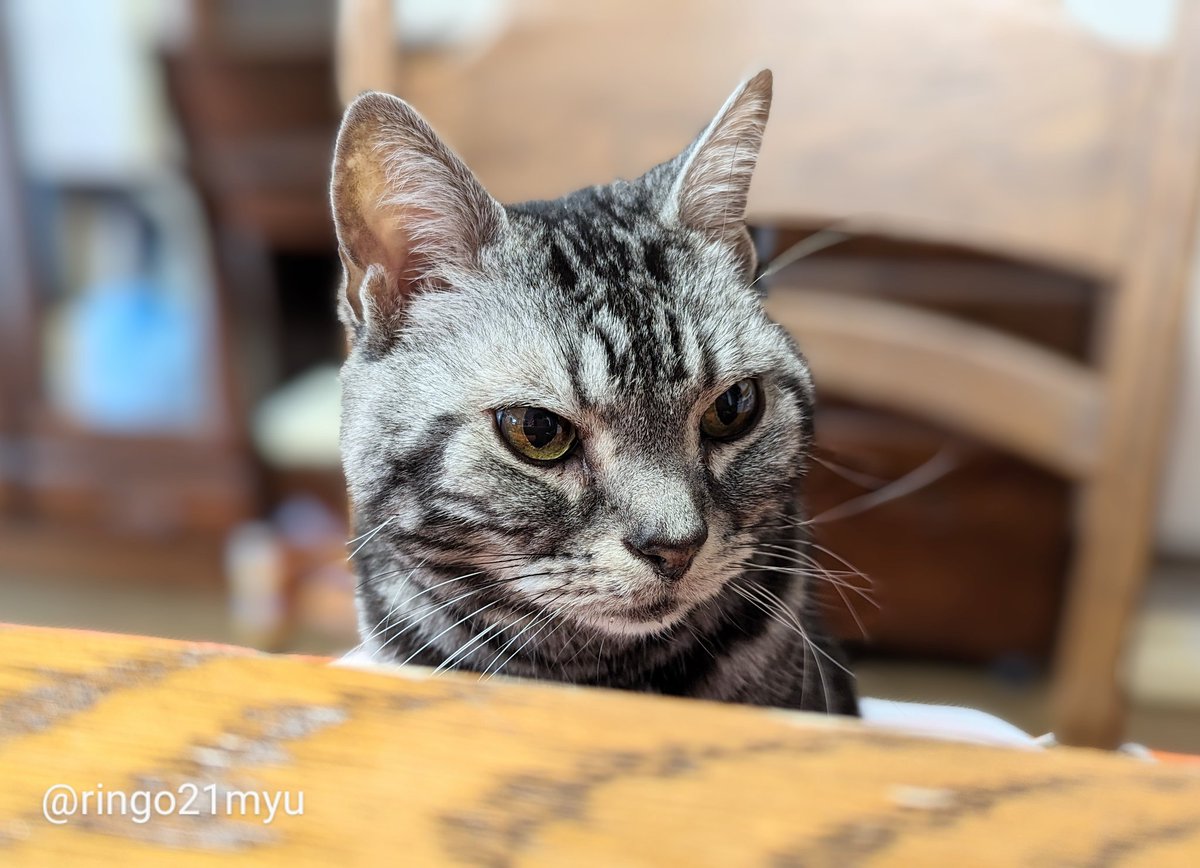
(713, 182)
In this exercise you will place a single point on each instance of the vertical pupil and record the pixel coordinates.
(539, 427)
(729, 404)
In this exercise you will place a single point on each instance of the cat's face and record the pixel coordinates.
(581, 399)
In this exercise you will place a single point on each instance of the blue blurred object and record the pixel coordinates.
(135, 360)
(130, 350)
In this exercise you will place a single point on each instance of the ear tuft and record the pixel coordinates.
(713, 184)
(409, 214)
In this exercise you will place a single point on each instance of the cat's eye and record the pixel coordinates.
(536, 433)
(733, 413)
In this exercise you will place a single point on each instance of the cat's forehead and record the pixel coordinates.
(604, 259)
(605, 307)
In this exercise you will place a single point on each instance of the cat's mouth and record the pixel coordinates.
(656, 607)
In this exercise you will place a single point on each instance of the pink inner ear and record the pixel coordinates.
(404, 258)
(388, 228)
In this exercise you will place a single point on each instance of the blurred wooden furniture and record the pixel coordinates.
(17, 316)
(257, 116)
(83, 501)
(254, 96)
(510, 773)
(1011, 129)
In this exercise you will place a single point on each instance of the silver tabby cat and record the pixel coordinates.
(571, 434)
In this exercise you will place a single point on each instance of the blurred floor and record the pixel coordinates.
(191, 612)
(1165, 717)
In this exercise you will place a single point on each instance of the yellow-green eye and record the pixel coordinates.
(733, 413)
(535, 433)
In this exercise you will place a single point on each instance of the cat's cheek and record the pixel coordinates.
(720, 458)
(757, 482)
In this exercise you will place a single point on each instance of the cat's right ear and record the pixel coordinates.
(712, 185)
(409, 214)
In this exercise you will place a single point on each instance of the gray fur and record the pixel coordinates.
(625, 308)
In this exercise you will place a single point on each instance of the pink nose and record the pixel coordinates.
(669, 557)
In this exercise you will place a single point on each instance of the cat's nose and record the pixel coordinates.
(669, 557)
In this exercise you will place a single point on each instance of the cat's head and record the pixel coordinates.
(583, 399)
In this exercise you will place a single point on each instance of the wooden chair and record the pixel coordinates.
(1010, 129)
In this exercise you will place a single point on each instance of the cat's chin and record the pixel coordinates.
(642, 620)
(633, 628)
(655, 613)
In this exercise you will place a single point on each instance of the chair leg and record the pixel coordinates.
(1138, 342)
(1089, 702)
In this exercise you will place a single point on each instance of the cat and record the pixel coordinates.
(571, 435)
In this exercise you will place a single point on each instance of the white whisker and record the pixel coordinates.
(369, 536)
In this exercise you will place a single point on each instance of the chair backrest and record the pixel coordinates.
(1010, 127)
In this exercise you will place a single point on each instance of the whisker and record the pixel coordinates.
(600, 655)
(461, 620)
(808, 558)
(799, 631)
(822, 575)
(492, 562)
(463, 649)
(853, 612)
(841, 560)
(391, 611)
(429, 612)
(797, 555)
(369, 536)
(553, 614)
(856, 477)
(562, 667)
(920, 477)
(541, 617)
(809, 567)
(397, 606)
(536, 617)
(700, 639)
(806, 246)
(368, 533)
(426, 611)
(803, 633)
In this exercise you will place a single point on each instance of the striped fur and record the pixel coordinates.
(625, 308)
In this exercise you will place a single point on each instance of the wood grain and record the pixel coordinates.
(432, 771)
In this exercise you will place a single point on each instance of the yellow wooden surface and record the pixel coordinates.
(412, 770)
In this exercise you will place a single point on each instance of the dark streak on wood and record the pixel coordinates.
(1117, 850)
(858, 839)
(65, 694)
(493, 832)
